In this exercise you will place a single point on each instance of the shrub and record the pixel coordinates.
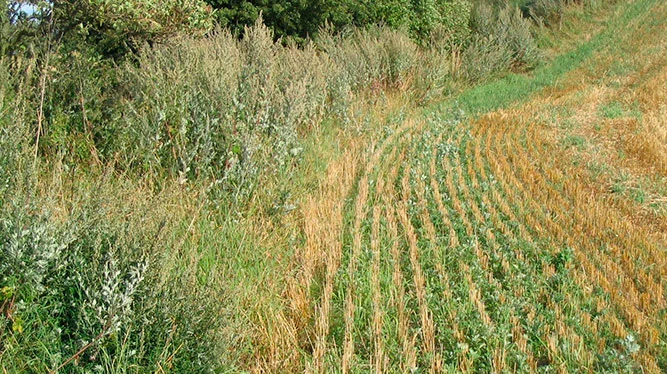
(299, 20)
(81, 111)
(455, 22)
(444, 22)
(98, 292)
(115, 28)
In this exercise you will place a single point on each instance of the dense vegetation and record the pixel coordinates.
(161, 185)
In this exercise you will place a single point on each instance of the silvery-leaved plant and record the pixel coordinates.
(112, 301)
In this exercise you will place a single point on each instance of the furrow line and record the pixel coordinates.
(380, 361)
(468, 239)
(408, 356)
(427, 327)
(500, 355)
(465, 359)
(459, 187)
(439, 280)
(379, 358)
(324, 215)
(360, 214)
(465, 362)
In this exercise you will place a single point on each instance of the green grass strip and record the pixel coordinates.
(515, 88)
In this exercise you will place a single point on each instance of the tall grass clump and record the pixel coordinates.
(235, 111)
(11, 136)
(222, 109)
(375, 58)
(502, 41)
(545, 12)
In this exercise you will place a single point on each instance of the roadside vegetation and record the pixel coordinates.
(444, 186)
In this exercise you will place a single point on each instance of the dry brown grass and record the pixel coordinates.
(516, 186)
(323, 217)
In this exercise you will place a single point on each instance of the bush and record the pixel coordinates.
(455, 23)
(300, 20)
(80, 107)
(95, 283)
(115, 28)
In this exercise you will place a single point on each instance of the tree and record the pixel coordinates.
(301, 18)
(118, 26)
(113, 27)
(286, 18)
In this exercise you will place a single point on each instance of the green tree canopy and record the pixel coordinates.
(302, 18)
(113, 27)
